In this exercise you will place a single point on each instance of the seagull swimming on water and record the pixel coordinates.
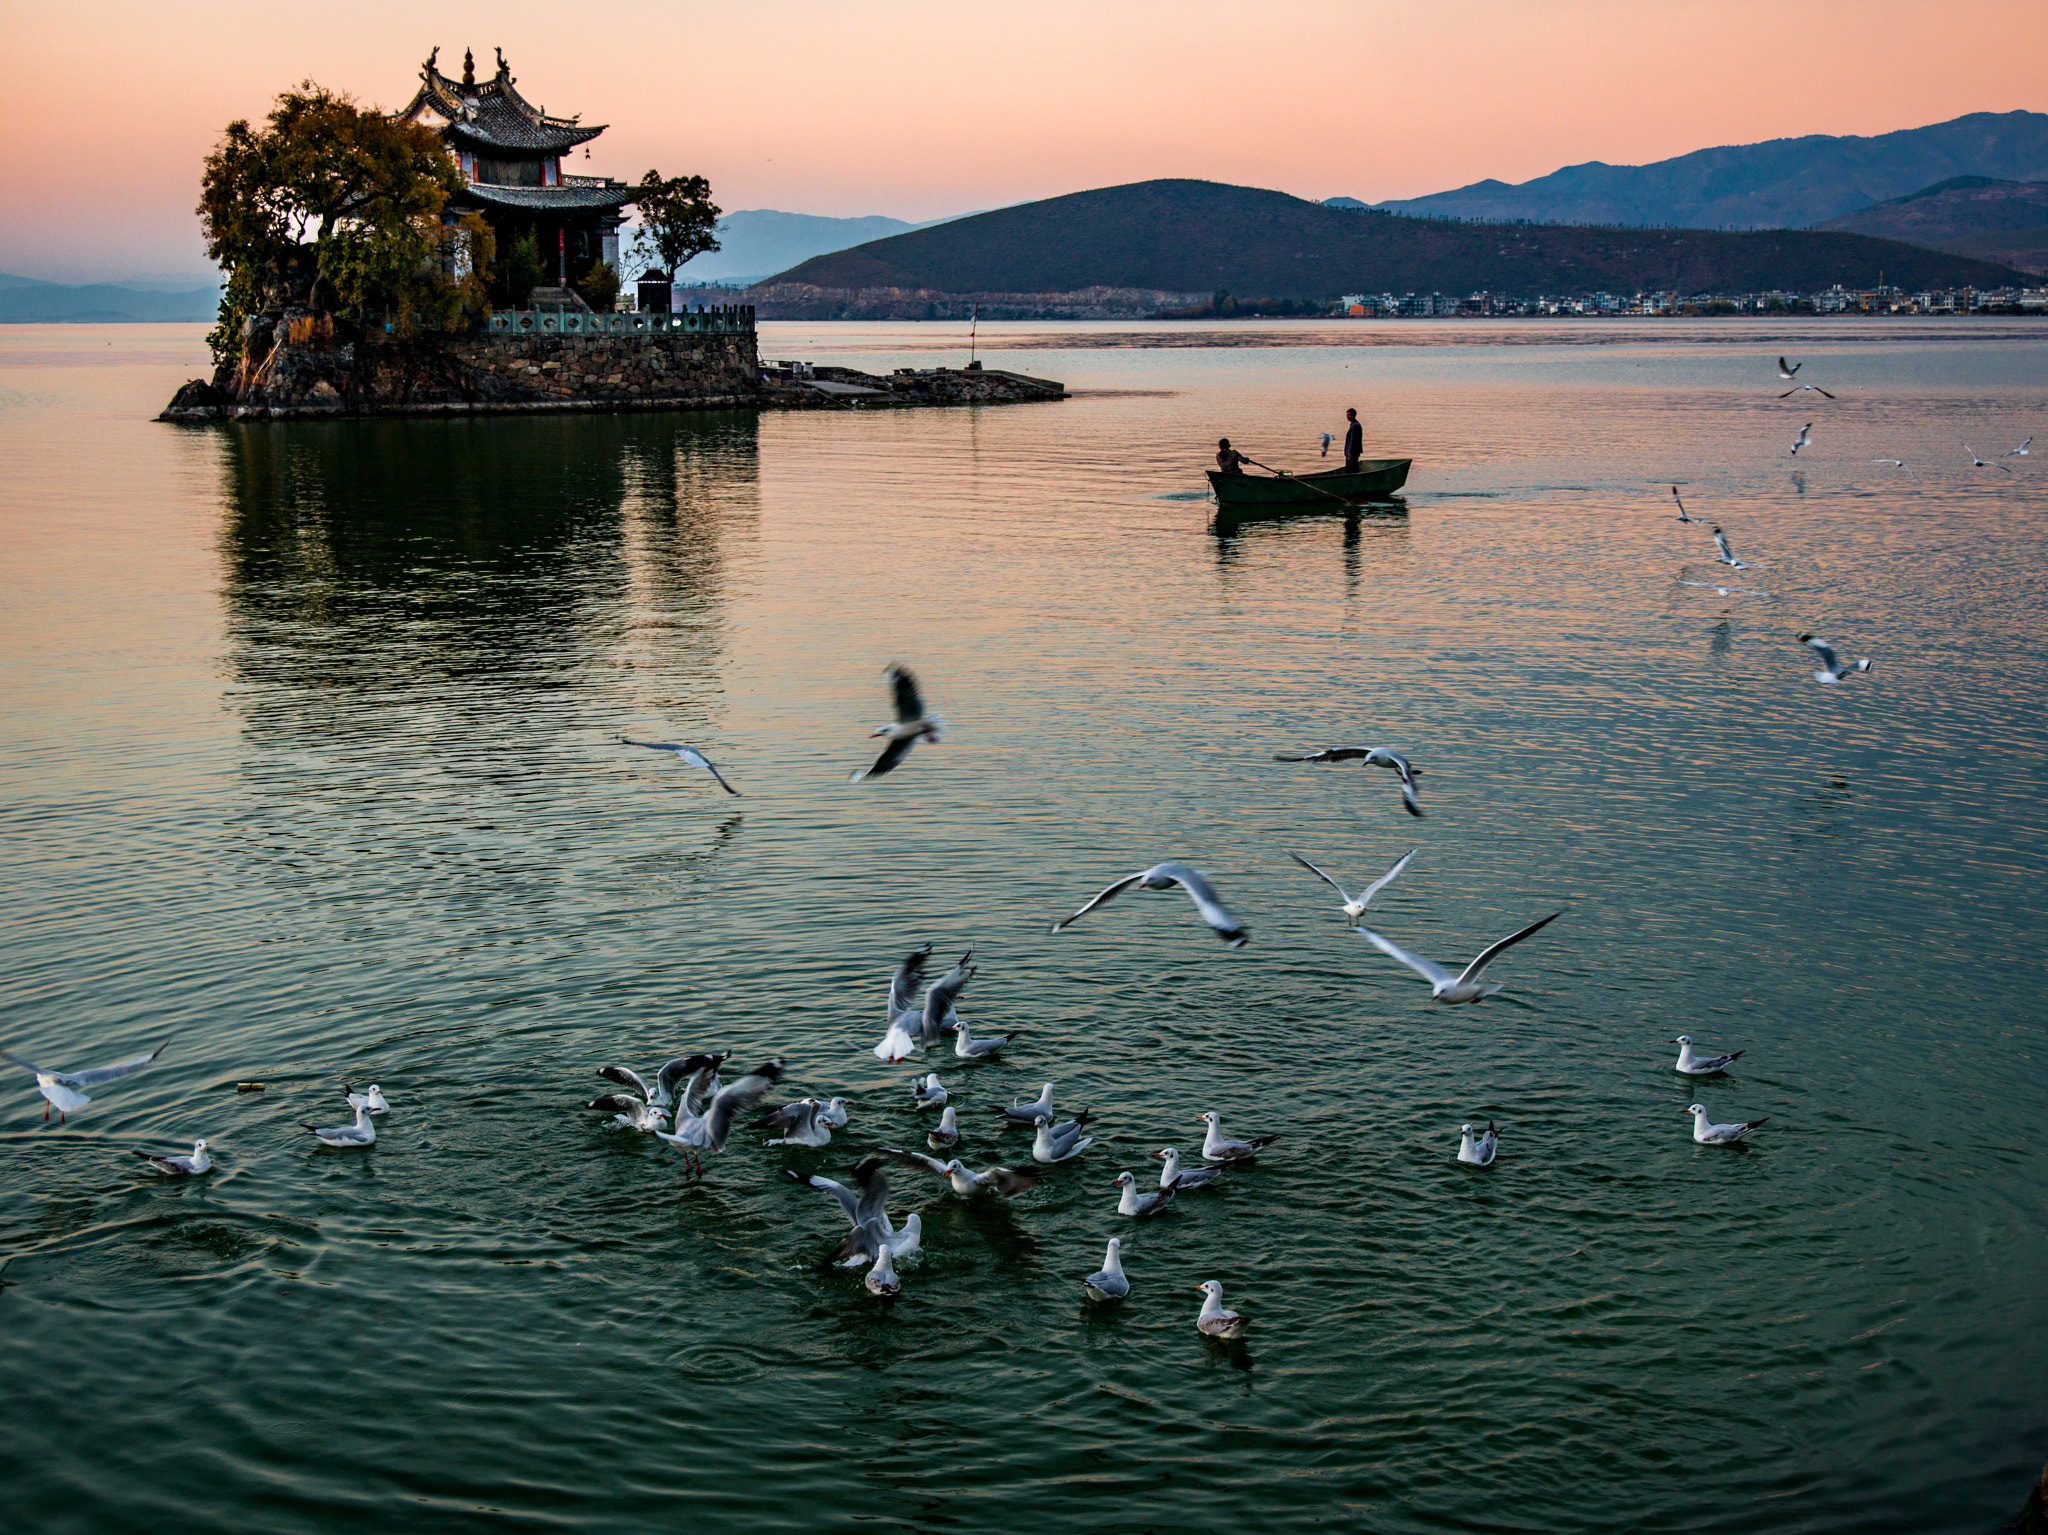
(179, 1167)
(1480, 1152)
(881, 1279)
(1371, 756)
(627, 1112)
(1709, 1134)
(348, 1137)
(1354, 906)
(687, 753)
(1465, 986)
(1061, 1143)
(807, 1122)
(913, 723)
(947, 1136)
(968, 1048)
(1165, 876)
(1108, 1283)
(928, 1094)
(1217, 1147)
(1832, 668)
(372, 1097)
(64, 1090)
(1173, 1176)
(864, 1206)
(1985, 463)
(1805, 437)
(1215, 1321)
(1727, 555)
(1027, 1113)
(1140, 1206)
(1701, 1065)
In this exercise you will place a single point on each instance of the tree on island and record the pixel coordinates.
(349, 202)
(678, 220)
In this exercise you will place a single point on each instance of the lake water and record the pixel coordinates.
(310, 765)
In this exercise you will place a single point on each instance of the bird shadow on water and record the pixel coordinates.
(1234, 1352)
(1823, 813)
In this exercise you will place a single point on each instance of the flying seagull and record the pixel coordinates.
(1805, 437)
(64, 1090)
(1165, 876)
(1464, 987)
(872, 1229)
(1681, 505)
(1108, 1283)
(1354, 906)
(1727, 555)
(1786, 370)
(990, 1180)
(687, 753)
(2020, 451)
(179, 1167)
(1701, 1065)
(1726, 591)
(1215, 1321)
(1328, 438)
(1709, 1134)
(1832, 669)
(1985, 463)
(1372, 756)
(1217, 1147)
(912, 724)
(697, 1133)
(939, 998)
(1900, 463)
(667, 1081)
(1814, 387)
(1480, 1152)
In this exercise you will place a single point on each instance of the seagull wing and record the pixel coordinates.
(873, 1179)
(1319, 874)
(938, 1001)
(1386, 879)
(789, 1117)
(1203, 894)
(914, 1159)
(1488, 954)
(616, 1103)
(97, 1074)
(903, 985)
(700, 1084)
(892, 754)
(1114, 890)
(626, 1076)
(678, 1070)
(909, 706)
(1430, 971)
(1009, 1180)
(848, 1200)
(1825, 651)
(1325, 754)
(743, 1094)
(695, 758)
(1820, 391)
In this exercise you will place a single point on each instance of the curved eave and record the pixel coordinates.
(544, 141)
(548, 199)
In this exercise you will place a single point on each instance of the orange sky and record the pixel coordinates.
(918, 109)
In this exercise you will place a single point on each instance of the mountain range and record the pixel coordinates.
(1969, 215)
(758, 241)
(29, 300)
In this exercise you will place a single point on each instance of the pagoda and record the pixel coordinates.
(510, 153)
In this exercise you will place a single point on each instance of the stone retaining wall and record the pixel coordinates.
(612, 369)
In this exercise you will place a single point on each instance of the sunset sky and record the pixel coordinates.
(920, 109)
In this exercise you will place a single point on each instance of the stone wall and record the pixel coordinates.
(613, 369)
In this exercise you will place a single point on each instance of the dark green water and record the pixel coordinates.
(308, 761)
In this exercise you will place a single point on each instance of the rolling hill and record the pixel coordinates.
(1200, 236)
(28, 301)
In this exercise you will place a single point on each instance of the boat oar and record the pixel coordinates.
(1346, 501)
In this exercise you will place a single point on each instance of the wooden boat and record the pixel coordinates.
(1374, 480)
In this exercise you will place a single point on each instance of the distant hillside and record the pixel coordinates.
(1961, 205)
(1199, 236)
(757, 241)
(2026, 249)
(1782, 184)
(26, 300)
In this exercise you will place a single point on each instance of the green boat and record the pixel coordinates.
(1375, 479)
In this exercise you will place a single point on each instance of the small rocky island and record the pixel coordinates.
(439, 330)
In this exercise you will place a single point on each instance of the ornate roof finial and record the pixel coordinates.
(427, 69)
(468, 69)
(504, 69)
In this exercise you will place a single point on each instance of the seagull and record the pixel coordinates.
(931, 1094)
(673, 1073)
(361, 1133)
(1727, 555)
(179, 1167)
(1479, 1153)
(372, 1097)
(881, 1279)
(911, 725)
(689, 754)
(62, 1090)
(1900, 463)
(864, 1207)
(1717, 1135)
(1138, 1205)
(1464, 987)
(1216, 1147)
(2020, 451)
(1354, 907)
(1681, 505)
(1174, 1176)
(1985, 463)
(968, 1048)
(1701, 1065)
(807, 1122)
(947, 1136)
(1027, 1113)
(1796, 388)
(1371, 756)
(1108, 1283)
(1060, 1143)
(990, 1180)
(1165, 876)
(1726, 591)
(898, 1043)
(698, 1133)
(1831, 667)
(627, 1112)
(938, 1002)
(1805, 440)
(1215, 1322)
(1785, 371)
(1328, 438)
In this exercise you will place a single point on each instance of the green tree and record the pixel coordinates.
(601, 287)
(678, 220)
(522, 270)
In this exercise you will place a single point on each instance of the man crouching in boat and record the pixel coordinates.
(1228, 459)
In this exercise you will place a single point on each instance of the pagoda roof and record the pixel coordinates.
(492, 114)
(615, 194)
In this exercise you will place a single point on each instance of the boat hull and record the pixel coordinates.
(1374, 480)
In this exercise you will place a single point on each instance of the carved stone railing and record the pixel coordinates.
(720, 320)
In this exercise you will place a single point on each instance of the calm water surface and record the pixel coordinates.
(309, 763)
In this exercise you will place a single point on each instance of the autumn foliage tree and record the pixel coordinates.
(678, 219)
(359, 195)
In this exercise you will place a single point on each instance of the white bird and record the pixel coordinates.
(688, 754)
(1796, 388)
(915, 1026)
(667, 1081)
(361, 1133)
(1165, 876)
(1986, 463)
(1805, 438)
(807, 1122)
(947, 1135)
(372, 1096)
(866, 1212)
(179, 1167)
(1727, 555)
(627, 1112)
(1060, 1143)
(1708, 1134)
(695, 1134)
(1108, 1282)
(1215, 1321)
(1785, 371)
(2020, 451)
(64, 1090)
(1371, 756)
(881, 1279)
(1328, 438)
(990, 1180)
(1136, 1205)
(1701, 1065)
(968, 1048)
(912, 724)
(1900, 463)
(929, 1094)
(1354, 906)
(1173, 1176)
(1027, 1113)
(1726, 591)
(1832, 668)
(1217, 1147)
(1681, 505)
(1465, 986)
(939, 999)
(1480, 1152)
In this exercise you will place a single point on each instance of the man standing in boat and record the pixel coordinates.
(1228, 459)
(1354, 441)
